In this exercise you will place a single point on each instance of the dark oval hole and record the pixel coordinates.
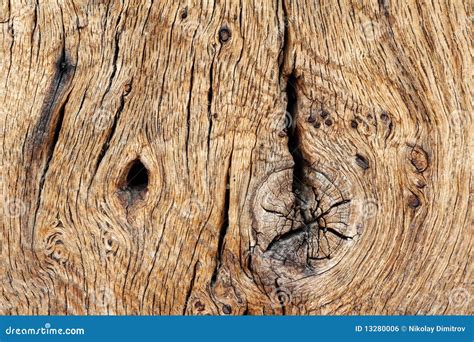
(224, 34)
(137, 177)
(184, 13)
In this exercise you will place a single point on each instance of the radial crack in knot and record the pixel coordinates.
(322, 214)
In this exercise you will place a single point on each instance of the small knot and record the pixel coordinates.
(419, 159)
(199, 306)
(324, 114)
(184, 13)
(227, 309)
(127, 88)
(224, 34)
(420, 184)
(413, 201)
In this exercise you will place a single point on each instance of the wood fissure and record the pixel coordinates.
(224, 225)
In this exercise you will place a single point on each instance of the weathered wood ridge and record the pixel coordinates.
(236, 157)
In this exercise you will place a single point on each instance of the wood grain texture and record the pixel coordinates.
(232, 157)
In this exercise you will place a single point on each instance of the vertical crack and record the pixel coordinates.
(224, 225)
(52, 147)
(117, 114)
(57, 128)
(114, 62)
(291, 107)
(210, 95)
(62, 76)
(190, 289)
(46, 133)
(292, 131)
(188, 114)
(309, 227)
(111, 132)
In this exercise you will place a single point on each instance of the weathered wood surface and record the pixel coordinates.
(232, 157)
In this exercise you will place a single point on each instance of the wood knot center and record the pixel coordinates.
(224, 34)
